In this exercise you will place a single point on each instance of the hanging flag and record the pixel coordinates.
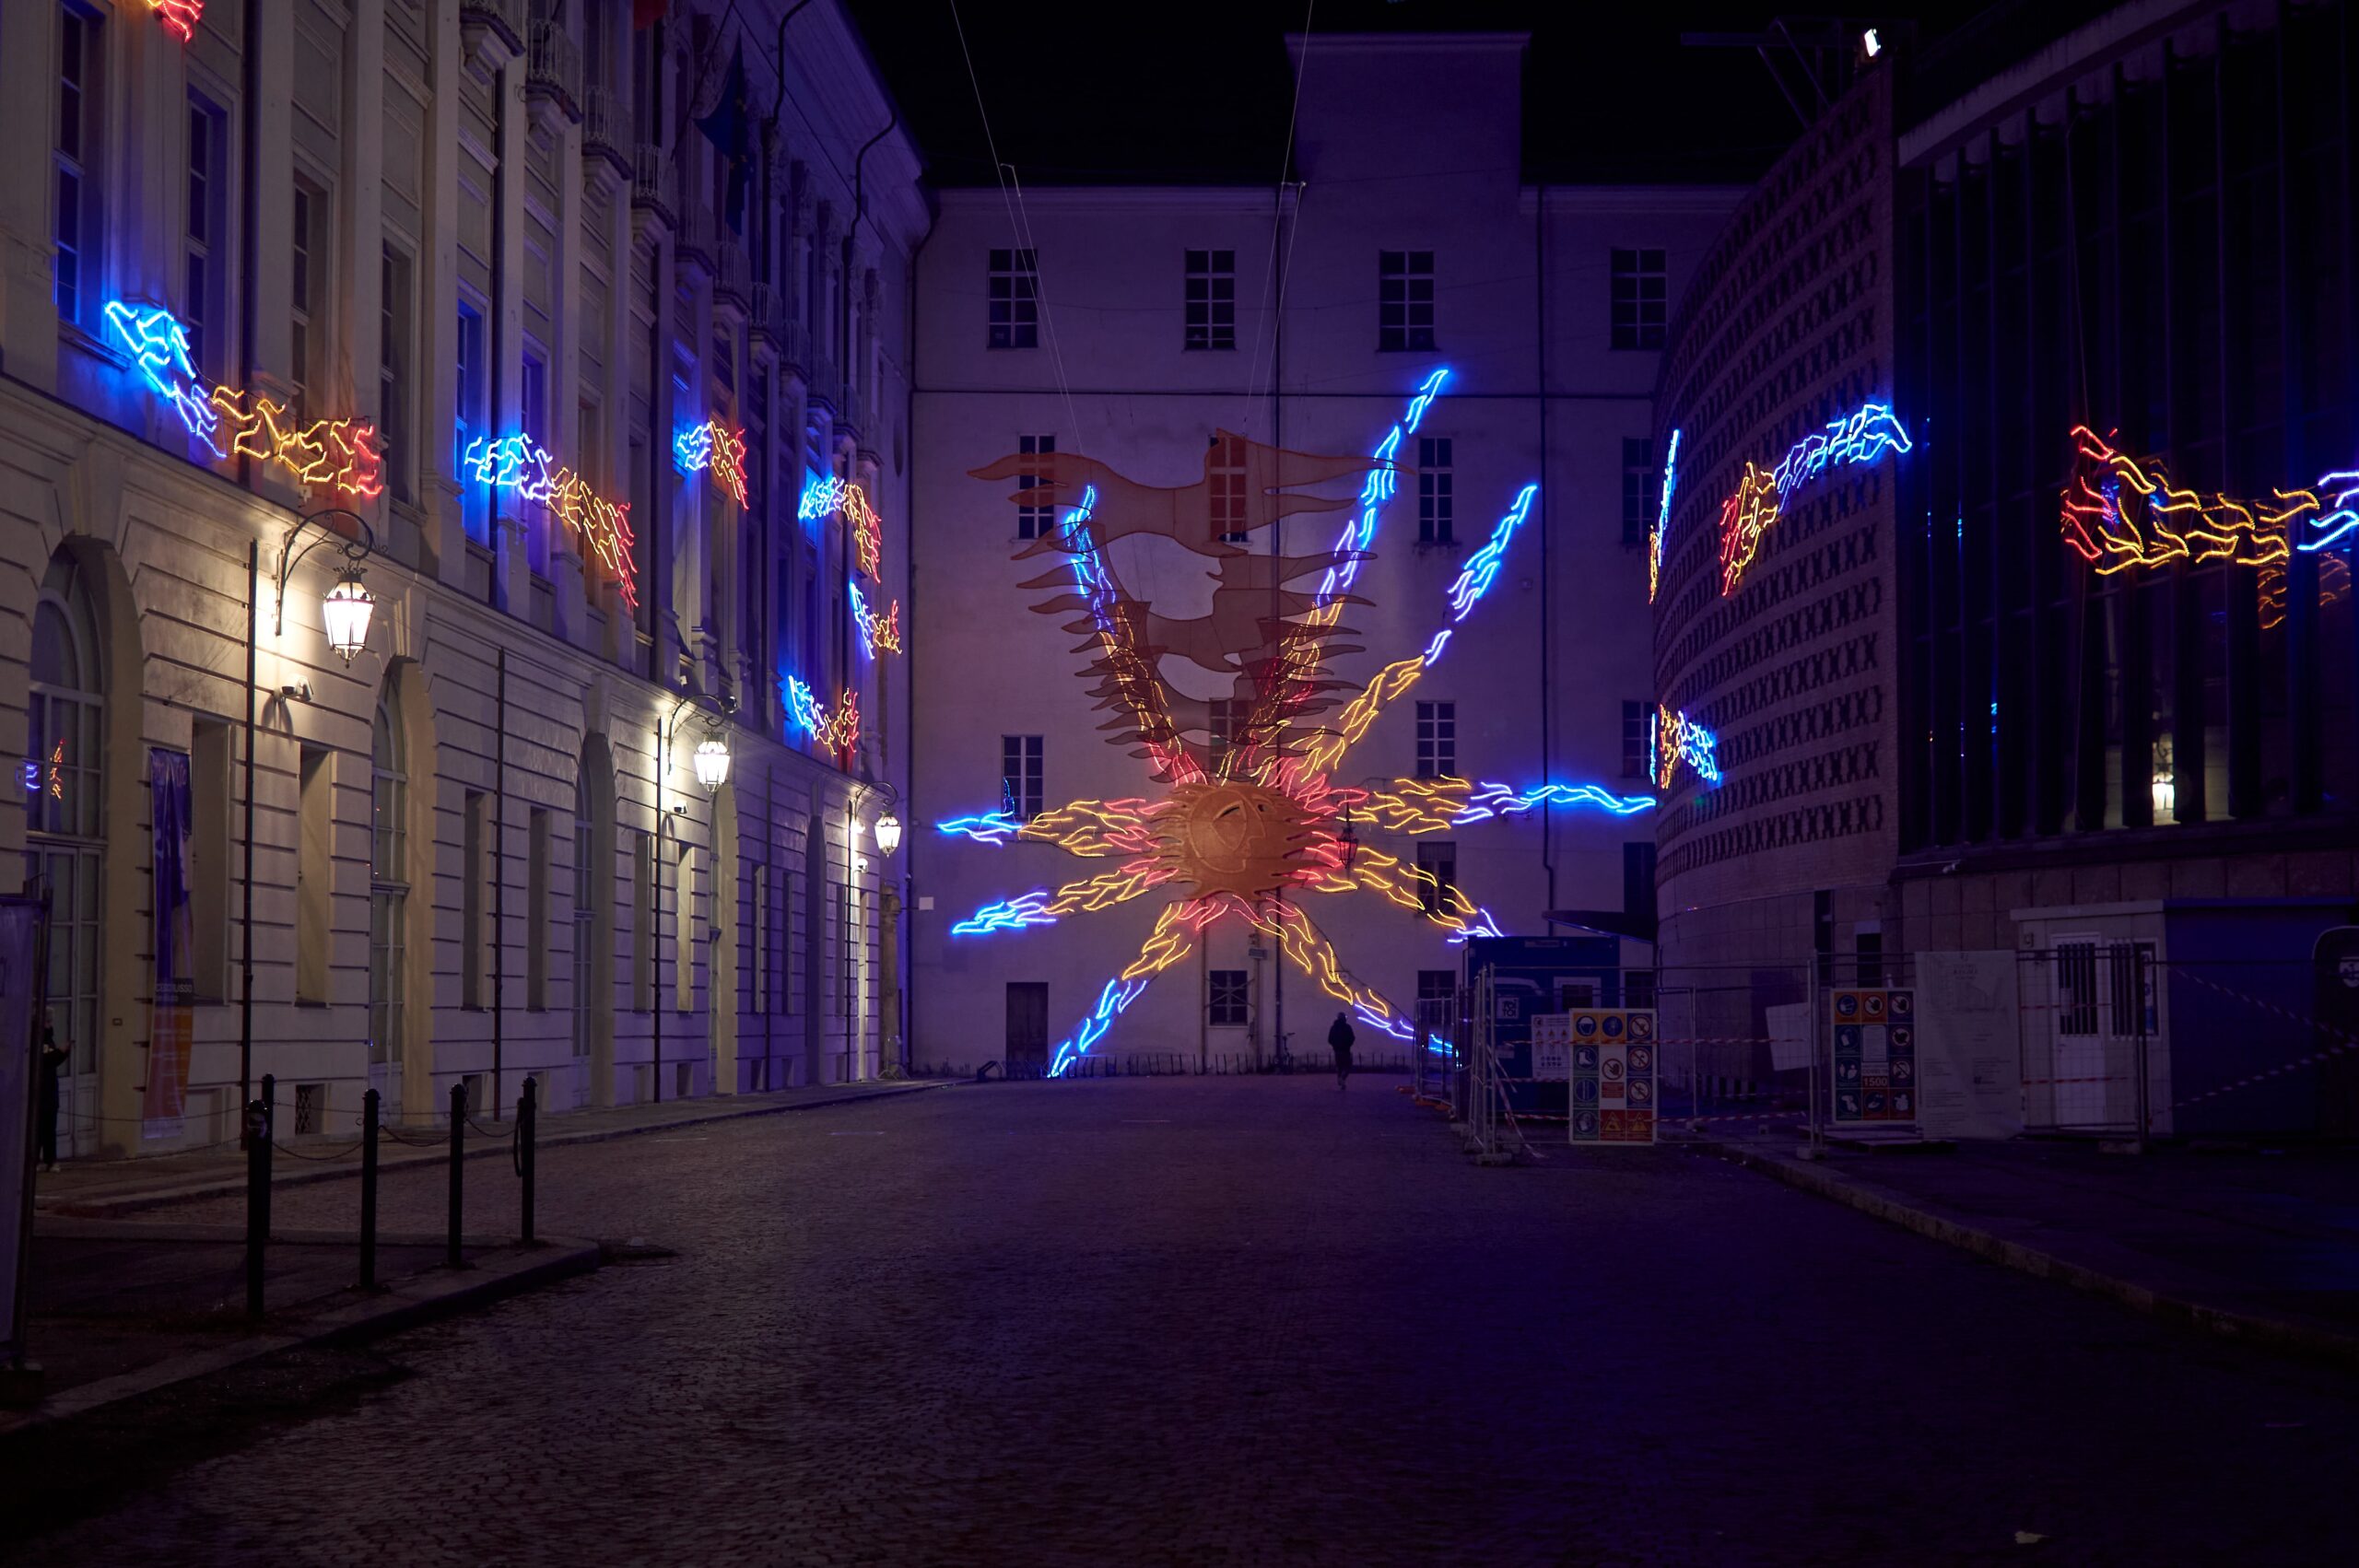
(729, 129)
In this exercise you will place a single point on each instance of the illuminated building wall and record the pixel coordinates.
(1569, 583)
(463, 237)
(1788, 660)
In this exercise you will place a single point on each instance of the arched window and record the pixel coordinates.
(63, 768)
(64, 781)
(388, 884)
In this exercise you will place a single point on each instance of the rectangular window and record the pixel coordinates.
(782, 888)
(1641, 299)
(392, 369)
(1638, 879)
(1032, 521)
(1404, 291)
(684, 929)
(314, 874)
(212, 785)
(1211, 299)
(1437, 740)
(642, 923)
(1225, 997)
(1434, 504)
(1867, 949)
(202, 248)
(1437, 858)
(474, 903)
(305, 296)
(759, 988)
(1014, 300)
(467, 415)
(1636, 762)
(532, 407)
(585, 931)
(539, 844)
(1640, 482)
(1437, 1001)
(1222, 717)
(1225, 480)
(1020, 776)
(74, 222)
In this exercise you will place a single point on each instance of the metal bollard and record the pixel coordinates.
(269, 1132)
(458, 1167)
(257, 1132)
(369, 1116)
(528, 1121)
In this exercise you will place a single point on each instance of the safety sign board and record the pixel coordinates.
(1609, 1057)
(1875, 1032)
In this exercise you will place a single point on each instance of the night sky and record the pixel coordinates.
(1199, 93)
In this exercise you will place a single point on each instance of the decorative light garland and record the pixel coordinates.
(837, 733)
(831, 495)
(1678, 739)
(2101, 525)
(180, 15)
(336, 454)
(520, 465)
(1762, 495)
(1663, 519)
(714, 446)
(875, 633)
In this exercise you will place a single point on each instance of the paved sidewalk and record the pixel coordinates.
(2255, 1242)
(102, 1188)
(118, 1310)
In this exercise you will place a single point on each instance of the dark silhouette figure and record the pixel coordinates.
(53, 1063)
(1340, 1039)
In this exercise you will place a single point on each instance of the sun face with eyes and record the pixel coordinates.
(1241, 837)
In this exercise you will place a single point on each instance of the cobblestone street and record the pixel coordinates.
(1240, 1321)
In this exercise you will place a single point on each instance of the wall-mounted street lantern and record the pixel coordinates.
(888, 832)
(712, 762)
(345, 609)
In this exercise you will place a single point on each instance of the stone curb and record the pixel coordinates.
(293, 1171)
(2269, 1333)
(404, 1304)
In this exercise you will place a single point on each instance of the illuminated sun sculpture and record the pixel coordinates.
(1248, 819)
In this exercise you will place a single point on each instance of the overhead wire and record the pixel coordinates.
(1020, 229)
(1262, 317)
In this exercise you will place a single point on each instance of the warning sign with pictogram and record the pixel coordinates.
(1611, 1061)
(1874, 1052)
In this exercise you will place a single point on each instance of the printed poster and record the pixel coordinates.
(173, 1008)
(1969, 1050)
(1613, 1071)
(1875, 1035)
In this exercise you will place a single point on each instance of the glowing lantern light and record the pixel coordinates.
(344, 612)
(888, 832)
(712, 763)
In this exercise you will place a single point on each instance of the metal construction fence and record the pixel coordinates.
(1174, 1064)
(2097, 1037)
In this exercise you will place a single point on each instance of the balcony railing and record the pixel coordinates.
(825, 386)
(694, 242)
(606, 128)
(653, 186)
(553, 68)
(733, 272)
(794, 346)
(763, 315)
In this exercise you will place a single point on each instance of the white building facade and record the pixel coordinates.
(558, 266)
(1304, 316)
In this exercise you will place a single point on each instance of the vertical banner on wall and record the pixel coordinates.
(173, 1007)
(20, 986)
